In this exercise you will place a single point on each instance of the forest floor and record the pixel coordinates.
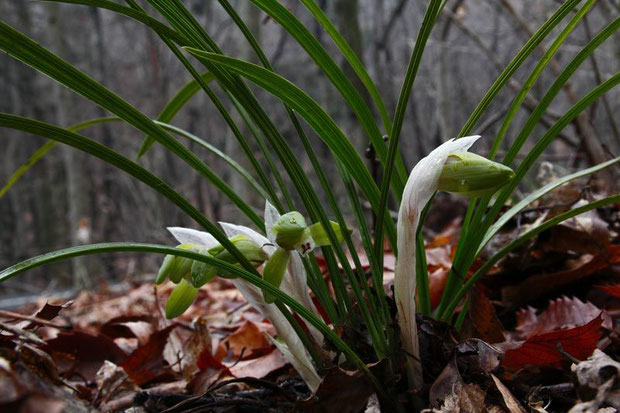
(541, 336)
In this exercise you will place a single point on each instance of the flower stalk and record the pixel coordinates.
(450, 168)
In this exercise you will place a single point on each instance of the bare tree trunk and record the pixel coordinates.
(72, 160)
(347, 20)
(251, 16)
(106, 195)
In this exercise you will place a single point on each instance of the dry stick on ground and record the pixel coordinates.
(583, 124)
(22, 334)
(11, 315)
(530, 102)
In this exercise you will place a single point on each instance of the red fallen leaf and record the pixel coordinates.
(211, 371)
(440, 257)
(586, 233)
(561, 313)
(86, 346)
(146, 363)
(249, 340)
(436, 284)
(448, 236)
(613, 290)
(207, 360)
(541, 350)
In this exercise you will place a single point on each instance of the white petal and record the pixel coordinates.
(295, 284)
(271, 216)
(192, 236)
(294, 350)
(232, 230)
(309, 375)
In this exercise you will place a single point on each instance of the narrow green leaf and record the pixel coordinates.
(137, 15)
(353, 60)
(36, 56)
(44, 150)
(474, 235)
(557, 86)
(174, 105)
(399, 117)
(537, 195)
(39, 153)
(531, 80)
(313, 113)
(316, 51)
(224, 266)
(516, 62)
(520, 240)
(317, 282)
(113, 158)
(545, 141)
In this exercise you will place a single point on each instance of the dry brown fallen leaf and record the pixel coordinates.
(450, 393)
(543, 284)
(511, 403)
(597, 376)
(345, 391)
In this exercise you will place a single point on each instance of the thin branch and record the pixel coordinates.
(599, 80)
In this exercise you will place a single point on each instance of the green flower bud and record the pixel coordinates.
(472, 175)
(274, 271)
(319, 235)
(289, 230)
(181, 267)
(165, 268)
(182, 296)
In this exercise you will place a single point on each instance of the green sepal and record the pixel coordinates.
(289, 230)
(472, 175)
(274, 271)
(181, 297)
(165, 268)
(319, 235)
(181, 267)
(250, 250)
(219, 248)
(202, 273)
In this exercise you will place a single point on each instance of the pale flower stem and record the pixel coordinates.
(421, 185)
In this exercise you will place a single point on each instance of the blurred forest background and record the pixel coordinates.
(68, 198)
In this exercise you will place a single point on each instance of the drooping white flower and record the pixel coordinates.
(448, 168)
(294, 284)
(420, 187)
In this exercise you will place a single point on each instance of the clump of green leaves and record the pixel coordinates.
(349, 297)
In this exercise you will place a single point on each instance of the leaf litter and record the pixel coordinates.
(541, 335)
